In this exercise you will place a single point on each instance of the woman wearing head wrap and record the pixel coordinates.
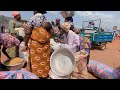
(38, 33)
(70, 37)
(57, 21)
(15, 23)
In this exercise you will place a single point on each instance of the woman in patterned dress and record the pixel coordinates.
(39, 48)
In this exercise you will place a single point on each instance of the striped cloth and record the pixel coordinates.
(103, 71)
(18, 74)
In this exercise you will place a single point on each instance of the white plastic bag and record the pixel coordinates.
(21, 31)
(55, 47)
(23, 54)
(72, 48)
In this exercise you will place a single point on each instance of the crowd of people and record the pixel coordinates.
(38, 32)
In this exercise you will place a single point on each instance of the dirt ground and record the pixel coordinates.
(109, 56)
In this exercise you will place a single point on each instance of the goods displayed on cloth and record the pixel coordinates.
(23, 54)
(80, 70)
(12, 52)
(103, 71)
(20, 31)
(66, 14)
(62, 62)
(15, 63)
(18, 74)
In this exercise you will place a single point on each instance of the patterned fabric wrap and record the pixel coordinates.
(18, 74)
(87, 44)
(11, 52)
(103, 71)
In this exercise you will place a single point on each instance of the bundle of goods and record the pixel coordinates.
(23, 54)
(103, 71)
(15, 63)
(18, 74)
(80, 71)
(20, 31)
(66, 14)
(62, 63)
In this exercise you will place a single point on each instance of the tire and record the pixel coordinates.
(103, 46)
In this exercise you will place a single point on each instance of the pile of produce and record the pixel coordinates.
(14, 61)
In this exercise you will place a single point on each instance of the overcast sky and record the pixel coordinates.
(109, 18)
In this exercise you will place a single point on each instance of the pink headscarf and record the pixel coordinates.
(15, 13)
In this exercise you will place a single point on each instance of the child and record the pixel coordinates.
(81, 65)
(85, 43)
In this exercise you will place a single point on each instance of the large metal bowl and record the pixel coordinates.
(62, 62)
(16, 66)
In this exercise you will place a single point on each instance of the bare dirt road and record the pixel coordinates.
(109, 56)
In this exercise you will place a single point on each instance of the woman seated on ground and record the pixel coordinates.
(8, 41)
(70, 37)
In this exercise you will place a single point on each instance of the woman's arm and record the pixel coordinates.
(11, 28)
(60, 41)
(17, 51)
(4, 51)
(27, 35)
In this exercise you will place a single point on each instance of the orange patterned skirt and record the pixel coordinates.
(39, 58)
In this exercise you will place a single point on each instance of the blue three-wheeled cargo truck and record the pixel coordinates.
(98, 36)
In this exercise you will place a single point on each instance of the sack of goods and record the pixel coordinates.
(23, 54)
(103, 71)
(66, 14)
(17, 74)
(21, 31)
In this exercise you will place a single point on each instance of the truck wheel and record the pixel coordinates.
(103, 46)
